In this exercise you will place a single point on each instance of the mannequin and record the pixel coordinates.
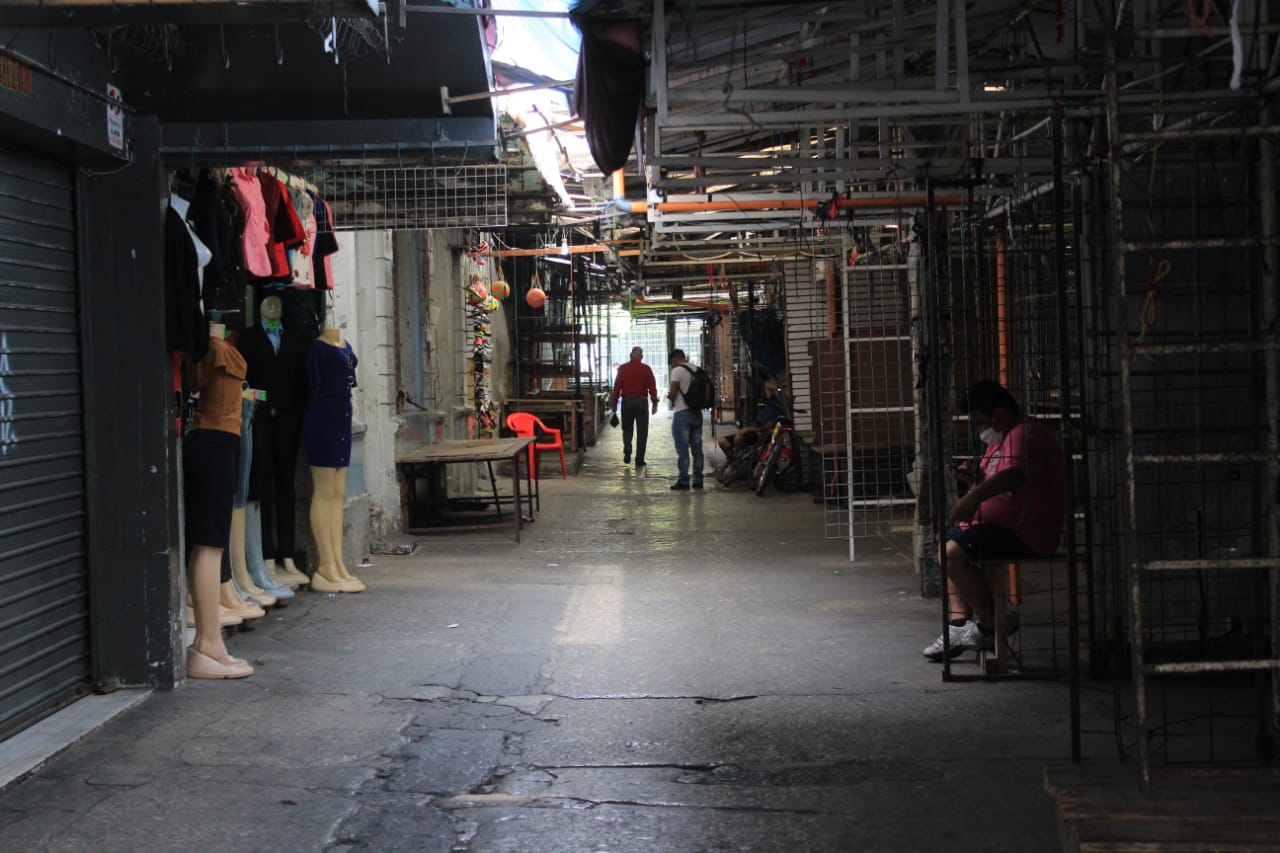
(264, 592)
(276, 360)
(210, 453)
(326, 439)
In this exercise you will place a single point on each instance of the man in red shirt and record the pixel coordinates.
(634, 384)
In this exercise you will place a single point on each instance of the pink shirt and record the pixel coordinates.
(1033, 511)
(301, 264)
(256, 230)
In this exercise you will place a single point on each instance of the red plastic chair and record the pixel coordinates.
(528, 425)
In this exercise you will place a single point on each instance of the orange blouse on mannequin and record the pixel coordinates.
(219, 377)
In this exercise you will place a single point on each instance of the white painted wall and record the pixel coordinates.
(364, 309)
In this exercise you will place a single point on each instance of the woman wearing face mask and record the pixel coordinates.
(1014, 509)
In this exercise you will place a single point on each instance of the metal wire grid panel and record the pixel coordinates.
(1186, 353)
(1004, 306)
(863, 384)
(367, 197)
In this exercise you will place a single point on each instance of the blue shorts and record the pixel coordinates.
(990, 541)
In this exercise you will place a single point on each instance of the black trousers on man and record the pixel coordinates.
(635, 416)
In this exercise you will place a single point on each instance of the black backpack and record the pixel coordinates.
(702, 391)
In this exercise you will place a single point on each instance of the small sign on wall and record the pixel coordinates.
(15, 76)
(115, 118)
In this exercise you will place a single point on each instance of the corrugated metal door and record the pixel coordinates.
(44, 602)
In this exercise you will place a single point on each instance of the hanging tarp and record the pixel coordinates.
(608, 94)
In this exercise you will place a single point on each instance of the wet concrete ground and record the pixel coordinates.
(646, 671)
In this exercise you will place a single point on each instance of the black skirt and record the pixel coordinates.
(210, 471)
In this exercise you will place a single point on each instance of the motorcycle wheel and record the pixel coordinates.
(769, 469)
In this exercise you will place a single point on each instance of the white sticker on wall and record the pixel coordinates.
(115, 119)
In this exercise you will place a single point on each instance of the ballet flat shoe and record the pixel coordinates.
(283, 579)
(319, 583)
(226, 618)
(291, 577)
(262, 598)
(250, 611)
(202, 666)
(354, 582)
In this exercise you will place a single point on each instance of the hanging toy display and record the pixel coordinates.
(477, 291)
(536, 297)
(500, 290)
(480, 303)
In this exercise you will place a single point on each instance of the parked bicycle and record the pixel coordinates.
(777, 456)
(773, 458)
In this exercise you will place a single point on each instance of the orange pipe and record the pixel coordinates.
(831, 298)
(785, 204)
(619, 184)
(1002, 312)
(584, 249)
(1002, 346)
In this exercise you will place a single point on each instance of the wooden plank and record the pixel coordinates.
(1102, 810)
(475, 450)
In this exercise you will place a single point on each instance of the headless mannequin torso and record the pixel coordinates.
(327, 425)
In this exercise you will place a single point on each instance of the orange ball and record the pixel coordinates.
(536, 297)
(500, 289)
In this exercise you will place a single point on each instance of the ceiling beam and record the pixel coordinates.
(405, 141)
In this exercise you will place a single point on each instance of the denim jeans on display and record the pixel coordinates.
(686, 431)
(247, 408)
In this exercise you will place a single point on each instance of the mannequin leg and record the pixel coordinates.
(288, 440)
(208, 656)
(291, 571)
(253, 548)
(229, 597)
(281, 434)
(326, 567)
(337, 505)
(325, 483)
(240, 565)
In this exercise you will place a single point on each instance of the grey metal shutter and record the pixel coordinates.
(44, 601)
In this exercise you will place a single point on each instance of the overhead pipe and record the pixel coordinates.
(857, 203)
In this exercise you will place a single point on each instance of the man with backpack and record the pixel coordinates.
(689, 395)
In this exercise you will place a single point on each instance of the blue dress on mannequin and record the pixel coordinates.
(326, 427)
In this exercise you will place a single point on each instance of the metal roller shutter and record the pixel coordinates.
(44, 602)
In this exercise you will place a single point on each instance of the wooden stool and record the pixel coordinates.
(1000, 577)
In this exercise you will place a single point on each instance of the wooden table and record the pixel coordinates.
(441, 453)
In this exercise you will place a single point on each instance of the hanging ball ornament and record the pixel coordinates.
(500, 289)
(477, 293)
(491, 304)
(536, 297)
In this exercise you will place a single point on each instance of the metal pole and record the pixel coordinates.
(1121, 330)
(1271, 256)
(846, 356)
(933, 386)
(1068, 455)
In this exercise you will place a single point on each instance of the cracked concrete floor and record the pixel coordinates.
(647, 671)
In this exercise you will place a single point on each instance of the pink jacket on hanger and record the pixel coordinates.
(256, 230)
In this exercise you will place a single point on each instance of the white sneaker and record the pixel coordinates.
(961, 639)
